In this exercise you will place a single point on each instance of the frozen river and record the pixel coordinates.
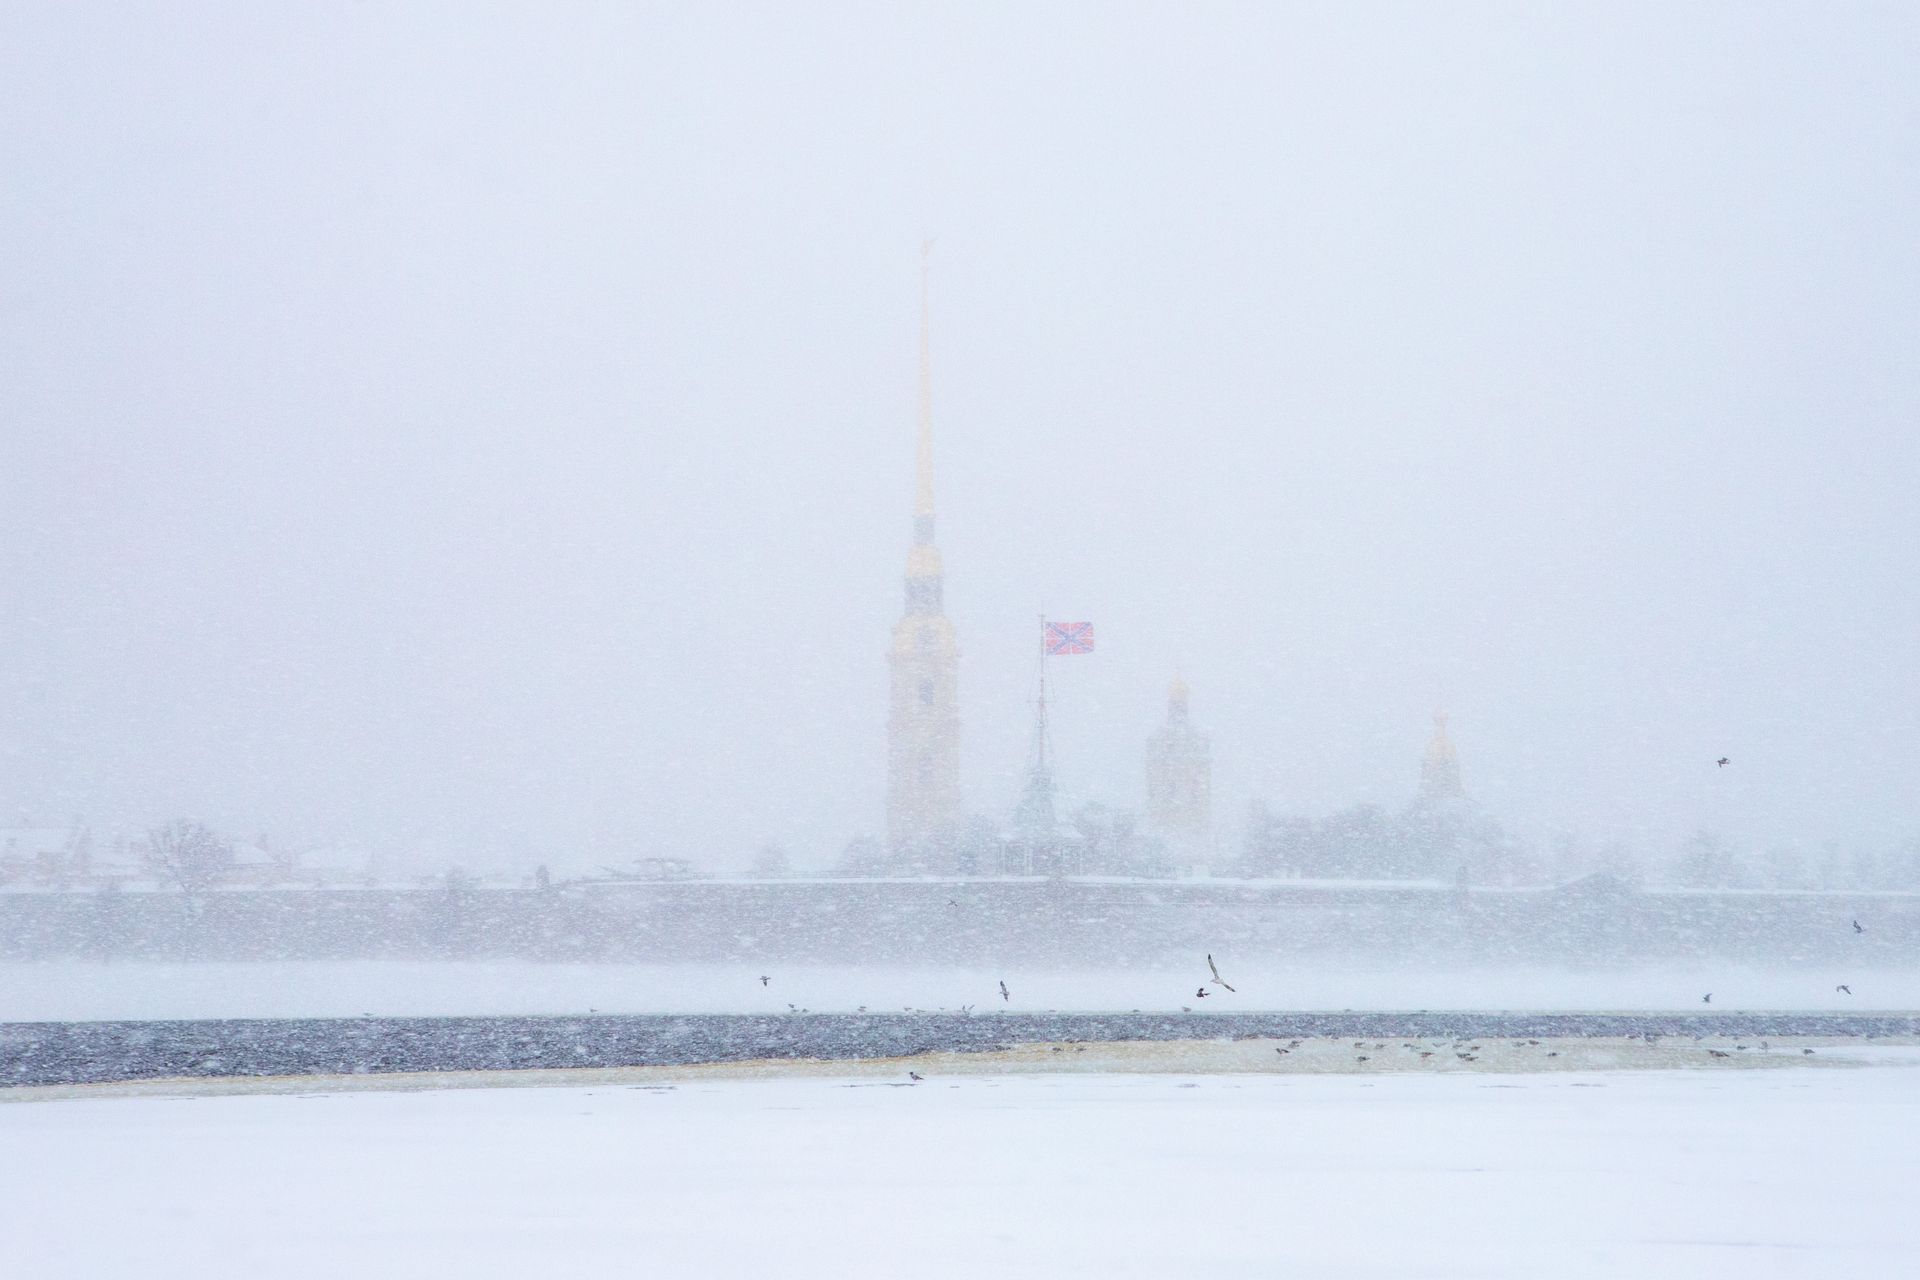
(1791, 1172)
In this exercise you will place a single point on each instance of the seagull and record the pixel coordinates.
(764, 979)
(1216, 973)
(1200, 993)
(1003, 990)
(1844, 987)
(1722, 762)
(1857, 927)
(952, 903)
(1707, 998)
(915, 1075)
(1716, 1053)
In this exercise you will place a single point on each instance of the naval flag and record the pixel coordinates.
(1061, 638)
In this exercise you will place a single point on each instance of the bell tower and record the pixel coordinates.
(1180, 779)
(923, 717)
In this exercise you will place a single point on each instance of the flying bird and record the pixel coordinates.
(1707, 998)
(1216, 973)
(1857, 927)
(1722, 762)
(1003, 990)
(1844, 987)
(764, 979)
(1201, 993)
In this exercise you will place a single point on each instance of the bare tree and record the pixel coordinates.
(771, 863)
(189, 854)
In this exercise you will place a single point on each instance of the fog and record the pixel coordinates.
(486, 435)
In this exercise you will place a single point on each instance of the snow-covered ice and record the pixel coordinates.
(1668, 1173)
(78, 991)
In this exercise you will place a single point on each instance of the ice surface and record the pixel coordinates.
(1756, 1173)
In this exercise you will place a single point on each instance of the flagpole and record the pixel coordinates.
(1043, 691)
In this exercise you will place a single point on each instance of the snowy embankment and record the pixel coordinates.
(81, 991)
(1755, 1173)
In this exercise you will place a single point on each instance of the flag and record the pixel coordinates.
(1067, 637)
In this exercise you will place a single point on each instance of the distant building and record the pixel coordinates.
(43, 855)
(923, 717)
(1446, 835)
(1180, 780)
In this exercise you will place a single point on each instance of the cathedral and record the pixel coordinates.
(927, 829)
(923, 716)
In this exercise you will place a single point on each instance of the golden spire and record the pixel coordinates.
(923, 558)
(923, 474)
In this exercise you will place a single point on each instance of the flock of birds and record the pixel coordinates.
(1202, 992)
(1842, 989)
(1462, 1049)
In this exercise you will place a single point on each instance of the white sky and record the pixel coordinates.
(496, 424)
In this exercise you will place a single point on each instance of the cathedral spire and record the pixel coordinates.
(923, 462)
(924, 573)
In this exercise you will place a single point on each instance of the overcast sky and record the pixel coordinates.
(492, 428)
